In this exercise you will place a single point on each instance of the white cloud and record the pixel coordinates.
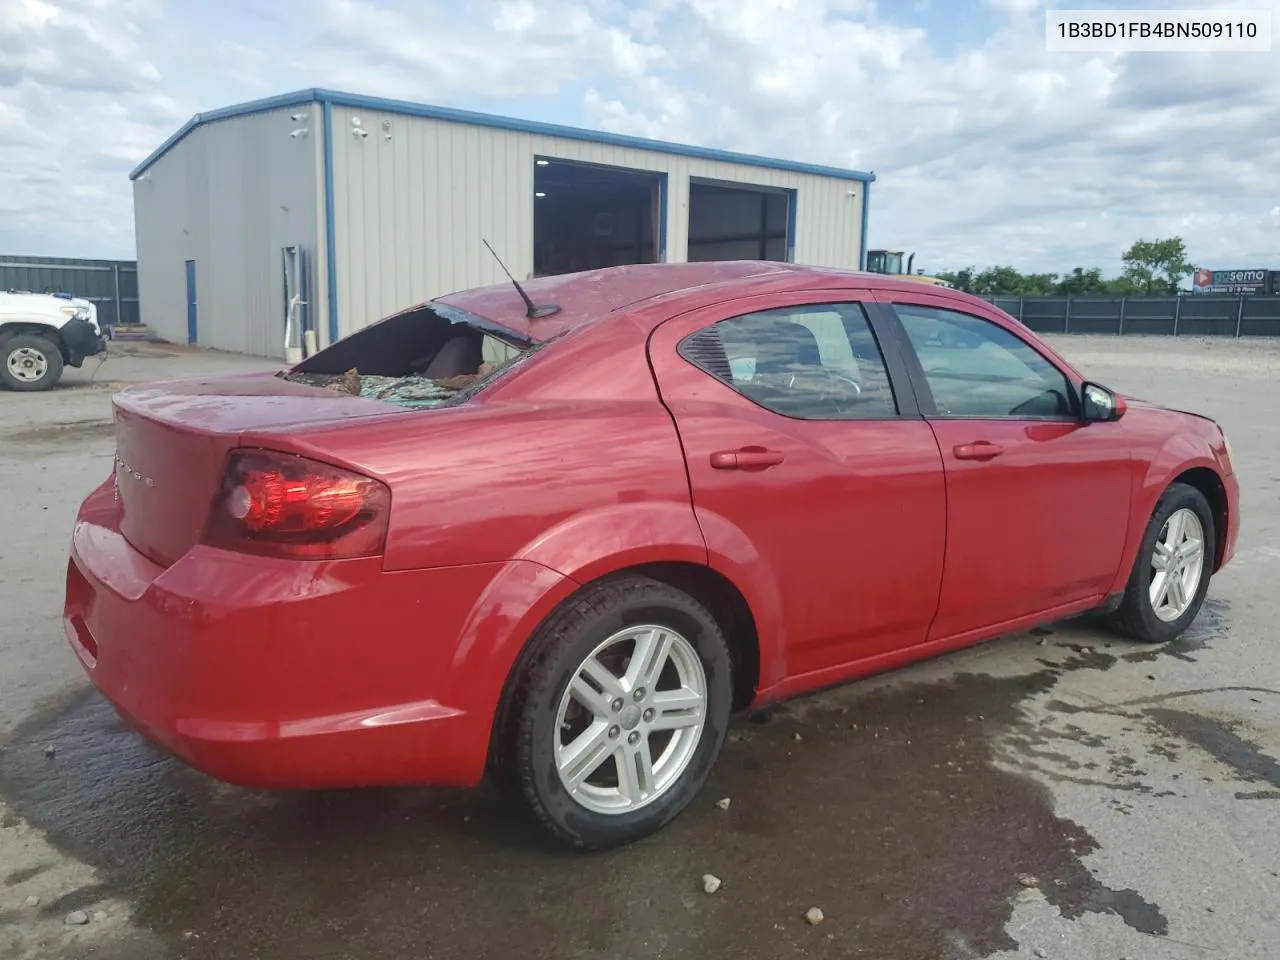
(73, 45)
(1017, 7)
(1002, 153)
(987, 148)
(516, 48)
(78, 101)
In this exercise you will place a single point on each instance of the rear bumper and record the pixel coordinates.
(271, 673)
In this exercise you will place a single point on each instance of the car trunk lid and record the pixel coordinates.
(172, 438)
(172, 441)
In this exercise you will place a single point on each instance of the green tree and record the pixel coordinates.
(1157, 267)
(1080, 283)
(1121, 287)
(999, 280)
(1152, 267)
(960, 279)
(1038, 284)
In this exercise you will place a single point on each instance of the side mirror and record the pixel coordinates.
(1101, 405)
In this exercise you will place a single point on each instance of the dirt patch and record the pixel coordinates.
(71, 431)
(85, 386)
(144, 353)
(25, 874)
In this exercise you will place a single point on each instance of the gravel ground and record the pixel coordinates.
(1058, 793)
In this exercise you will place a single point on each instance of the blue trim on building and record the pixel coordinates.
(330, 231)
(664, 197)
(297, 98)
(792, 201)
(866, 202)
(304, 291)
(284, 286)
(448, 114)
(165, 147)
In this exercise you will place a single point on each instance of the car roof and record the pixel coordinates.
(590, 295)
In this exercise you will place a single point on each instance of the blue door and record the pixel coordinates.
(192, 336)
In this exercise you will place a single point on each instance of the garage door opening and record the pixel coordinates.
(587, 216)
(734, 222)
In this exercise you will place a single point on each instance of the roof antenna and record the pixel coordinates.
(532, 310)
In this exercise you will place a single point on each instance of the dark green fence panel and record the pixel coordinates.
(1194, 316)
(1260, 317)
(1045, 314)
(1208, 316)
(1093, 315)
(111, 285)
(1150, 315)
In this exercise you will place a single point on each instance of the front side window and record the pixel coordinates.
(813, 362)
(978, 369)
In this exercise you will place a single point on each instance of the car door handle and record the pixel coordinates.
(748, 458)
(978, 450)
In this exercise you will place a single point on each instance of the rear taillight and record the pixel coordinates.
(284, 505)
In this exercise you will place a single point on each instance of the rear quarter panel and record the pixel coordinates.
(570, 461)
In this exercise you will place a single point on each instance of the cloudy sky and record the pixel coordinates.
(988, 150)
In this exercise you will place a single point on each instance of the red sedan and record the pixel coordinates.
(558, 534)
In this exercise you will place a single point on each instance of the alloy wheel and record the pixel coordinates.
(630, 720)
(1177, 564)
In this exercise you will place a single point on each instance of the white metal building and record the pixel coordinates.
(326, 211)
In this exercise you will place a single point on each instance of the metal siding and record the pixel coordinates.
(411, 212)
(488, 121)
(163, 242)
(229, 196)
(384, 281)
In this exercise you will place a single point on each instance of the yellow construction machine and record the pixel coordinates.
(889, 262)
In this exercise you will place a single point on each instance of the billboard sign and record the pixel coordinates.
(1235, 282)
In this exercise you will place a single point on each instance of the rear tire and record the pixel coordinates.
(651, 694)
(1180, 544)
(29, 362)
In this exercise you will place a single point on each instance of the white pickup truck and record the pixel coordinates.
(40, 333)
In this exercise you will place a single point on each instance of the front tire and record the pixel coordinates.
(618, 713)
(1170, 576)
(29, 362)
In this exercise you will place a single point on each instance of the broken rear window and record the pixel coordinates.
(426, 357)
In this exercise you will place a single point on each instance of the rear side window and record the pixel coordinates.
(811, 362)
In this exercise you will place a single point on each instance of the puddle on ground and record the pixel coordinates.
(1105, 647)
(1221, 740)
(892, 811)
(1208, 624)
(1167, 733)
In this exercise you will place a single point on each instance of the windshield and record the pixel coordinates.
(884, 261)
